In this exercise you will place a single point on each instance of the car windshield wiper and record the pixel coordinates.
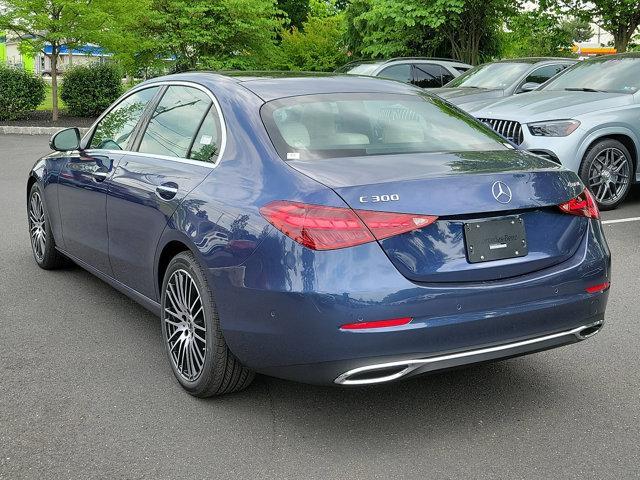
(583, 90)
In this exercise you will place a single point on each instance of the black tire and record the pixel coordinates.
(608, 186)
(221, 372)
(45, 253)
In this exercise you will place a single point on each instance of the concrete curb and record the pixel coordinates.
(16, 130)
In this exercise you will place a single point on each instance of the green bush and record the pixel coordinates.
(20, 91)
(87, 90)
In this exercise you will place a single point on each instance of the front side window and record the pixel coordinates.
(542, 74)
(358, 124)
(605, 74)
(397, 72)
(114, 131)
(491, 75)
(175, 122)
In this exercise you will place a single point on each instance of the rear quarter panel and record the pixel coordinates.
(220, 219)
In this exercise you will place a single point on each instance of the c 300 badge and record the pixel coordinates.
(394, 197)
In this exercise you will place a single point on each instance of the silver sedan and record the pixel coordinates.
(587, 119)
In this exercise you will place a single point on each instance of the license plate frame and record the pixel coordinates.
(495, 239)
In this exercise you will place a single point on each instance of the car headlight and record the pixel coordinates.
(556, 128)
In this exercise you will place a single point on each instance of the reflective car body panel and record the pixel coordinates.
(281, 304)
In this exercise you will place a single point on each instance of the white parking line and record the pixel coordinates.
(622, 220)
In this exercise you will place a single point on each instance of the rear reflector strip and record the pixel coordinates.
(393, 322)
(601, 287)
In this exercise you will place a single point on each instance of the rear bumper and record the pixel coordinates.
(375, 369)
(282, 311)
(389, 371)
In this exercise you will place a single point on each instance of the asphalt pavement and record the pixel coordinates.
(86, 390)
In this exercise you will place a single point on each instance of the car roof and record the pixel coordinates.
(400, 60)
(534, 60)
(271, 88)
(271, 85)
(610, 57)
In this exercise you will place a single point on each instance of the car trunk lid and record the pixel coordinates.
(462, 189)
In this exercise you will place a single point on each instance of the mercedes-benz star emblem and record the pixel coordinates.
(501, 192)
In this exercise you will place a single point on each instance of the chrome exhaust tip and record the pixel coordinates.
(387, 372)
(372, 374)
(589, 330)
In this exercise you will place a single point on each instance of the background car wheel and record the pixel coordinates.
(198, 354)
(607, 170)
(43, 245)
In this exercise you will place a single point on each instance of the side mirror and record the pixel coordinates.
(65, 140)
(529, 86)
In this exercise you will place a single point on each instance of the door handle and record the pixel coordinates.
(167, 191)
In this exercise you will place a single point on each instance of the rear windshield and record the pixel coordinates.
(352, 124)
(363, 69)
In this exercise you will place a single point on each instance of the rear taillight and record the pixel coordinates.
(328, 228)
(584, 205)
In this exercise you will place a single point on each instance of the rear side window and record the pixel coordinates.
(175, 122)
(397, 72)
(426, 75)
(360, 124)
(206, 144)
(114, 131)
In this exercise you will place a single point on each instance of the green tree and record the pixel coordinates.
(297, 11)
(468, 28)
(540, 33)
(621, 18)
(319, 46)
(56, 23)
(126, 38)
(579, 29)
(206, 34)
(473, 31)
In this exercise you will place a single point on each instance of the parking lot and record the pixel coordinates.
(86, 391)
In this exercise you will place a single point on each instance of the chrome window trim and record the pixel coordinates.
(209, 93)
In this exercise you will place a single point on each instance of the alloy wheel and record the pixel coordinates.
(183, 314)
(37, 226)
(609, 175)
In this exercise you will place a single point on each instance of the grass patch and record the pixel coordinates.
(47, 104)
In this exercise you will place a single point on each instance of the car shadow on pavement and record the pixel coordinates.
(435, 405)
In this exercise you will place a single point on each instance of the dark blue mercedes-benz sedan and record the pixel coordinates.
(327, 229)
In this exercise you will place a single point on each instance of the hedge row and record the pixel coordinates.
(86, 90)
(20, 92)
